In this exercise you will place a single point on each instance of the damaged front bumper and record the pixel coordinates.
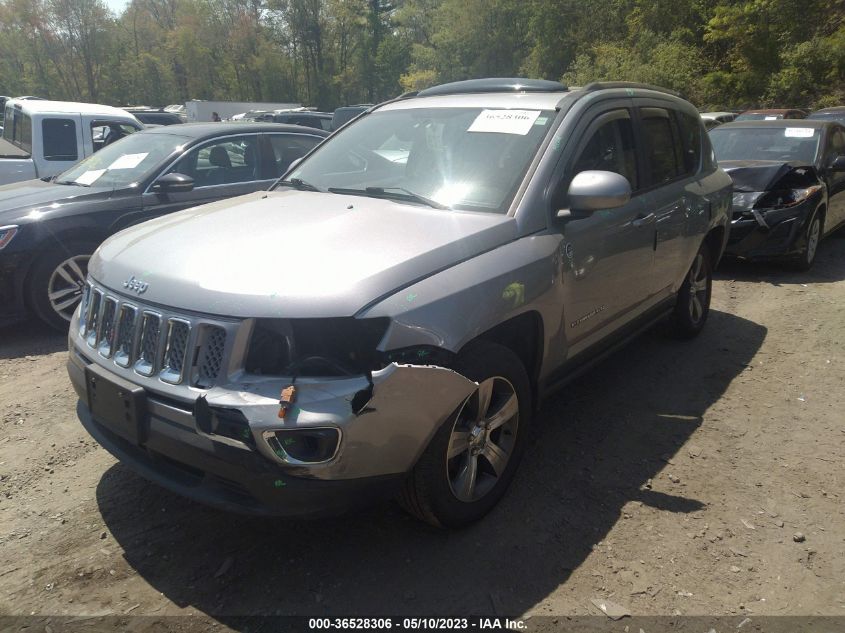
(769, 234)
(217, 447)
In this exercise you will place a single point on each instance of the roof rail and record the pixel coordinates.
(607, 85)
(496, 84)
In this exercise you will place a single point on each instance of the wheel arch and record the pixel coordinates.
(523, 335)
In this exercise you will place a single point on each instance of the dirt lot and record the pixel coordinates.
(670, 479)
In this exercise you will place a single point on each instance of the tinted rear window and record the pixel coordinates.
(690, 127)
(59, 137)
(661, 148)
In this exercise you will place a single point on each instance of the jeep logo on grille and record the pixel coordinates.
(136, 285)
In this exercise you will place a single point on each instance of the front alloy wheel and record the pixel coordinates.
(699, 285)
(473, 456)
(482, 440)
(64, 289)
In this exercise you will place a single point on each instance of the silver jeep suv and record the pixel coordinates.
(388, 317)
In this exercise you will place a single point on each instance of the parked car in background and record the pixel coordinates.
(836, 114)
(770, 115)
(343, 115)
(373, 325)
(712, 119)
(788, 183)
(150, 116)
(318, 120)
(49, 229)
(43, 138)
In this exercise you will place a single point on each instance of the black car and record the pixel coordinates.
(155, 117)
(789, 186)
(318, 120)
(49, 229)
(836, 114)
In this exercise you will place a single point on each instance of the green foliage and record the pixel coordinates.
(718, 53)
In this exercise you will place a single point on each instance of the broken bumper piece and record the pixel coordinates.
(226, 451)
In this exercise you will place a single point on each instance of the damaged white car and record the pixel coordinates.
(387, 318)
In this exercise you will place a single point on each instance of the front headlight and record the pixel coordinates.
(744, 200)
(6, 234)
(785, 198)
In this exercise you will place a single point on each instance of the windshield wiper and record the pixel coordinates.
(389, 192)
(71, 182)
(298, 183)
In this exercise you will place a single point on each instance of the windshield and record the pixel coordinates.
(758, 143)
(124, 162)
(461, 158)
(829, 116)
(758, 116)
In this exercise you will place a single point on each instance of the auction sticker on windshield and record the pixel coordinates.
(90, 176)
(128, 161)
(505, 121)
(799, 132)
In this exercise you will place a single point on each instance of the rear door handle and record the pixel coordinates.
(643, 220)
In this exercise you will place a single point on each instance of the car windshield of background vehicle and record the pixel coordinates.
(776, 143)
(126, 162)
(461, 158)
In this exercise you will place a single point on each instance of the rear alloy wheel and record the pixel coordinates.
(57, 282)
(472, 458)
(693, 303)
(811, 244)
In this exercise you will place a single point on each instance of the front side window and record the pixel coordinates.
(223, 162)
(59, 137)
(124, 163)
(611, 148)
(461, 158)
(661, 148)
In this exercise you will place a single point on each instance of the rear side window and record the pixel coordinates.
(59, 136)
(690, 128)
(17, 129)
(287, 148)
(662, 148)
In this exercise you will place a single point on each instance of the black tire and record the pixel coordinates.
(45, 269)
(428, 493)
(807, 257)
(693, 305)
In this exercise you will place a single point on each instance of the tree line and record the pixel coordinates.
(326, 53)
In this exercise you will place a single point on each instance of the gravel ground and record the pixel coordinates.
(675, 478)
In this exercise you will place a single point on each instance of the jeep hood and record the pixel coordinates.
(292, 253)
(761, 175)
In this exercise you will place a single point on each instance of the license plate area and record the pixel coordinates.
(117, 404)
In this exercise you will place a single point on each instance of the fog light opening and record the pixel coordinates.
(304, 446)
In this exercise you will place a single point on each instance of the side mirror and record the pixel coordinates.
(838, 164)
(592, 190)
(173, 183)
(293, 164)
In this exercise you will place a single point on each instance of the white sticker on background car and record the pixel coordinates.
(799, 132)
(771, 118)
(505, 121)
(90, 176)
(128, 161)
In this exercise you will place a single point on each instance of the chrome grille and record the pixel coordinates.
(177, 349)
(92, 323)
(211, 359)
(174, 351)
(105, 337)
(148, 345)
(125, 335)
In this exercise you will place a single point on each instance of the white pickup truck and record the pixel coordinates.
(44, 138)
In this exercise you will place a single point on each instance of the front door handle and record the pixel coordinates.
(642, 220)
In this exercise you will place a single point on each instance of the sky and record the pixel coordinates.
(117, 6)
